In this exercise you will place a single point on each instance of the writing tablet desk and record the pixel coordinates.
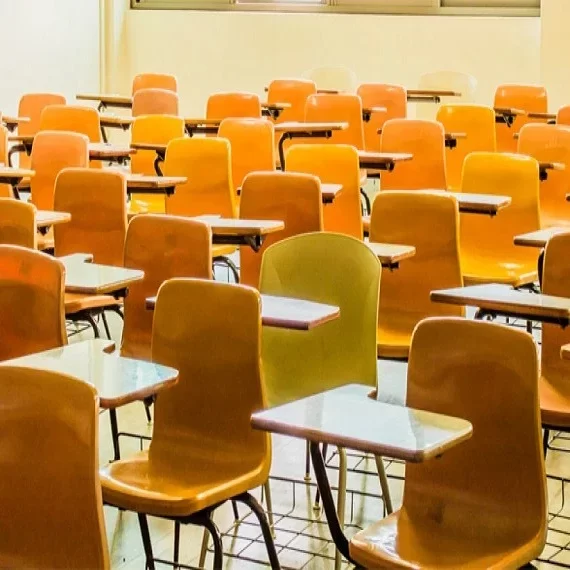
(162, 185)
(429, 95)
(158, 148)
(13, 176)
(367, 112)
(548, 117)
(539, 238)
(107, 100)
(47, 218)
(450, 140)
(11, 123)
(109, 121)
(346, 417)
(371, 160)
(328, 192)
(507, 115)
(273, 110)
(390, 255)
(545, 166)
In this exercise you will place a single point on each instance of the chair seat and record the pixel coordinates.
(477, 271)
(554, 404)
(396, 542)
(75, 302)
(132, 485)
(222, 250)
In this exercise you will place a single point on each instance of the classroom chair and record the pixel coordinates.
(292, 91)
(411, 218)
(155, 102)
(204, 451)
(524, 97)
(392, 97)
(31, 303)
(291, 197)
(72, 118)
(337, 164)
(488, 252)
(333, 78)
(18, 223)
(52, 512)
(550, 143)
(563, 115)
(478, 124)
(154, 81)
(238, 104)
(425, 140)
(473, 507)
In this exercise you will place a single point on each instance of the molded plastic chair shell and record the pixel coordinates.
(17, 223)
(155, 102)
(223, 105)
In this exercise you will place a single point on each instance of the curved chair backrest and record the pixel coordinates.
(64, 439)
(550, 143)
(448, 359)
(154, 81)
(163, 247)
(401, 217)
(291, 197)
(344, 108)
(337, 78)
(211, 415)
(97, 202)
(292, 91)
(457, 81)
(511, 175)
(52, 152)
(393, 97)
(563, 115)
(31, 302)
(72, 118)
(335, 164)
(252, 145)
(425, 140)
(223, 105)
(18, 223)
(207, 164)
(328, 268)
(155, 102)
(524, 97)
(6, 189)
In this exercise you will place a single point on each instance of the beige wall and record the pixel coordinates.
(48, 45)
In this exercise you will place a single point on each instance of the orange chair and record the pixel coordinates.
(31, 304)
(5, 189)
(488, 252)
(17, 223)
(425, 140)
(410, 217)
(529, 98)
(223, 105)
(550, 143)
(473, 507)
(159, 246)
(72, 118)
(478, 124)
(292, 91)
(288, 196)
(52, 517)
(563, 115)
(154, 81)
(333, 164)
(393, 97)
(252, 146)
(155, 102)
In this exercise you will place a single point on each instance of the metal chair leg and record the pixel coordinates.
(93, 324)
(545, 437)
(143, 523)
(384, 484)
(269, 505)
(236, 512)
(367, 207)
(230, 265)
(106, 325)
(317, 504)
(307, 463)
(147, 405)
(218, 547)
(176, 543)
(114, 434)
(341, 499)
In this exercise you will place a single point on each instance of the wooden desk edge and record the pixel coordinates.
(140, 394)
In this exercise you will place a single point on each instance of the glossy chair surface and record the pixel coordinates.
(223, 105)
(154, 81)
(153, 101)
(17, 223)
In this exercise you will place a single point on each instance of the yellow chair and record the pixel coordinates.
(550, 143)
(393, 97)
(154, 81)
(204, 451)
(18, 223)
(333, 164)
(288, 196)
(252, 146)
(478, 124)
(163, 247)
(72, 118)
(473, 507)
(411, 218)
(524, 97)
(223, 105)
(31, 302)
(52, 517)
(425, 140)
(155, 102)
(157, 129)
(488, 253)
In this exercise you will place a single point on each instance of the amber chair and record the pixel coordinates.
(488, 253)
(204, 451)
(563, 115)
(335, 78)
(18, 223)
(223, 105)
(550, 143)
(288, 196)
(292, 91)
(72, 118)
(425, 140)
(31, 302)
(472, 507)
(333, 164)
(478, 124)
(42, 506)
(401, 217)
(155, 102)
(252, 146)
(529, 98)
(393, 97)
(159, 129)
(5, 189)
(154, 81)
